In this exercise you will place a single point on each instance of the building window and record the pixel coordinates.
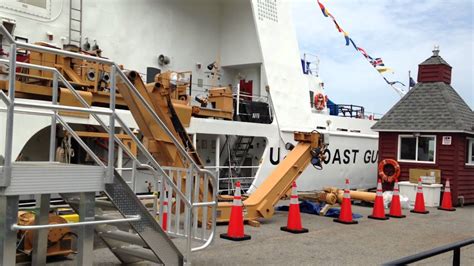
(470, 151)
(417, 148)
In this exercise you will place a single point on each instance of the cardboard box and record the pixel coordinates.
(428, 176)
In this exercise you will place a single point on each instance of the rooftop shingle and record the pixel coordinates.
(435, 60)
(429, 107)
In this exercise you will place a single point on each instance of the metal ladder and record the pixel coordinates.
(197, 226)
(75, 22)
(236, 158)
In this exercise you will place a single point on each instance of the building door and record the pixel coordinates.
(246, 89)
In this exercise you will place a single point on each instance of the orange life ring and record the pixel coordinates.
(393, 174)
(319, 101)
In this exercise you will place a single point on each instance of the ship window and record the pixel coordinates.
(36, 8)
(417, 148)
(38, 3)
(470, 151)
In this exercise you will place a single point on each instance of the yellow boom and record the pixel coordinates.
(260, 204)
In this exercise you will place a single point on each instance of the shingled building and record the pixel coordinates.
(432, 127)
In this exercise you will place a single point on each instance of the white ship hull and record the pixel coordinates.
(252, 40)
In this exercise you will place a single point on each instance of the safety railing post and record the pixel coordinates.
(457, 256)
(52, 142)
(237, 107)
(111, 157)
(10, 115)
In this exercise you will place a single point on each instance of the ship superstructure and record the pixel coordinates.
(249, 45)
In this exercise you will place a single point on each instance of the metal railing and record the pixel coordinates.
(194, 174)
(454, 247)
(198, 214)
(130, 218)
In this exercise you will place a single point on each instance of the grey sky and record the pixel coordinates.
(401, 32)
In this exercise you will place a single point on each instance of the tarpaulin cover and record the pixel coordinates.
(314, 208)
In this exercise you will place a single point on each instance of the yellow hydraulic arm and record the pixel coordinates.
(156, 140)
(158, 143)
(260, 204)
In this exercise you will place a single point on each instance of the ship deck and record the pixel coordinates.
(371, 242)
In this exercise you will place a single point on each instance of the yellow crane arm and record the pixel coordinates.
(260, 204)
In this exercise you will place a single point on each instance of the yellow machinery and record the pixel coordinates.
(171, 112)
(221, 101)
(90, 79)
(59, 239)
(260, 204)
(158, 95)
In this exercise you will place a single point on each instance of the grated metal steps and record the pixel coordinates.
(143, 239)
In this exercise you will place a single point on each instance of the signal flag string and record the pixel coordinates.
(377, 63)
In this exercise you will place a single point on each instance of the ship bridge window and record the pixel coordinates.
(417, 148)
(470, 151)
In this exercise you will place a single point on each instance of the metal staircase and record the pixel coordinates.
(145, 241)
(235, 160)
(138, 236)
(75, 22)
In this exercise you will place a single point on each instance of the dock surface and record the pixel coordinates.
(371, 242)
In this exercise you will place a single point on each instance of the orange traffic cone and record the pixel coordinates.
(164, 222)
(294, 217)
(235, 231)
(378, 212)
(345, 217)
(446, 204)
(419, 200)
(395, 206)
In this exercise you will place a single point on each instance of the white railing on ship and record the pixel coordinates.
(191, 205)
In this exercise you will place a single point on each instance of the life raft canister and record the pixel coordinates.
(320, 101)
(389, 170)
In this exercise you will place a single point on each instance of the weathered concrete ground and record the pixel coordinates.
(370, 242)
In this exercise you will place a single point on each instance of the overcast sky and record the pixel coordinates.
(401, 32)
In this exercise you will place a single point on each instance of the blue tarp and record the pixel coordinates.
(314, 208)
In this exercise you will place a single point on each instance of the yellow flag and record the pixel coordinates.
(384, 69)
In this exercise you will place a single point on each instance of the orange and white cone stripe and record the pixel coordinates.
(378, 211)
(345, 216)
(446, 203)
(235, 230)
(294, 216)
(419, 200)
(237, 196)
(294, 196)
(447, 188)
(395, 205)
